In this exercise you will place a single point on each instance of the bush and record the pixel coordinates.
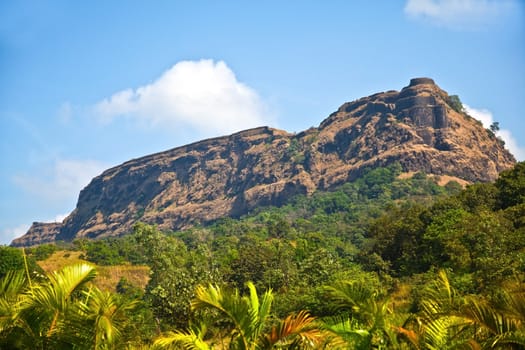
(455, 103)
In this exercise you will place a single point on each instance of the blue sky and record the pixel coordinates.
(88, 85)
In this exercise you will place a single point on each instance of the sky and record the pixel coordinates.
(87, 85)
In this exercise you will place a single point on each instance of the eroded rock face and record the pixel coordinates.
(231, 175)
(39, 233)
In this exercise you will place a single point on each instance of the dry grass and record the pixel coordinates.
(107, 277)
(441, 180)
(60, 259)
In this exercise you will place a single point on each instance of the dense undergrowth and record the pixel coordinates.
(382, 262)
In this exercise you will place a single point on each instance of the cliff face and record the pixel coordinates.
(231, 175)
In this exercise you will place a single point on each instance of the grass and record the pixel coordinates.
(107, 276)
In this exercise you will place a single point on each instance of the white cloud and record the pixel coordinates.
(483, 115)
(459, 14)
(59, 217)
(203, 95)
(10, 233)
(63, 180)
(486, 118)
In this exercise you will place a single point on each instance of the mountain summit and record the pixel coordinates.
(421, 127)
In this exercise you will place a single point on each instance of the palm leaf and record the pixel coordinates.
(233, 308)
(295, 331)
(191, 339)
(11, 296)
(47, 305)
(347, 333)
(104, 316)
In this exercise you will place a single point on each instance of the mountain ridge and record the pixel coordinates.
(418, 127)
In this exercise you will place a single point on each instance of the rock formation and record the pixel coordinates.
(231, 175)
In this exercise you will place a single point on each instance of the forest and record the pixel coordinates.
(384, 262)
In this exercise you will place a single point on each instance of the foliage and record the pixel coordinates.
(63, 311)
(494, 127)
(385, 261)
(15, 259)
(244, 321)
(511, 187)
(175, 273)
(42, 251)
(455, 103)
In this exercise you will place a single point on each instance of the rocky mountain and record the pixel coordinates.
(421, 127)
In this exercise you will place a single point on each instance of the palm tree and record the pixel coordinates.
(104, 316)
(439, 324)
(48, 306)
(366, 324)
(11, 298)
(61, 312)
(450, 321)
(245, 319)
(502, 327)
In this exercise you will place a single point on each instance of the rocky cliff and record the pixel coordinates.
(229, 176)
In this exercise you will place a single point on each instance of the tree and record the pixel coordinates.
(47, 308)
(448, 320)
(14, 259)
(61, 311)
(243, 321)
(175, 273)
(494, 127)
(397, 237)
(511, 186)
(455, 103)
(366, 324)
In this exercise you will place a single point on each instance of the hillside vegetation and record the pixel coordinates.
(383, 262)
(421, 128)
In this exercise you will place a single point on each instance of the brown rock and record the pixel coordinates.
(231, 175)
(39, 233)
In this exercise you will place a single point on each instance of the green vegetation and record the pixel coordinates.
(384, 262)
(62, 311)
(455, 103)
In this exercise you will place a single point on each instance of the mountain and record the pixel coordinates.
(421, 127)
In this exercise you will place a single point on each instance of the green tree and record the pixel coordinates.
(104, 317)
(455, 103)
(243, 322)
(61, 311)
(397, 237)
(13, 259)
(511, 186)
(363, 315)
(494, 127)
(175, 273)
(448, 320)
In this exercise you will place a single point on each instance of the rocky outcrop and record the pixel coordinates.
(39, 233)
(231, 175)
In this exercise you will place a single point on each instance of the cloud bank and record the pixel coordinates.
(55, 186)
(61, 181)
(459, 14)
(10, 233)
(486, 118)
(202, 95)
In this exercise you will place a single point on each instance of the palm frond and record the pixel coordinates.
(234, 309)
(295, 331)
(350, 295)
(346, 333)
(191, 339)
(12, 284)
(103, 315)
(514, 306)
